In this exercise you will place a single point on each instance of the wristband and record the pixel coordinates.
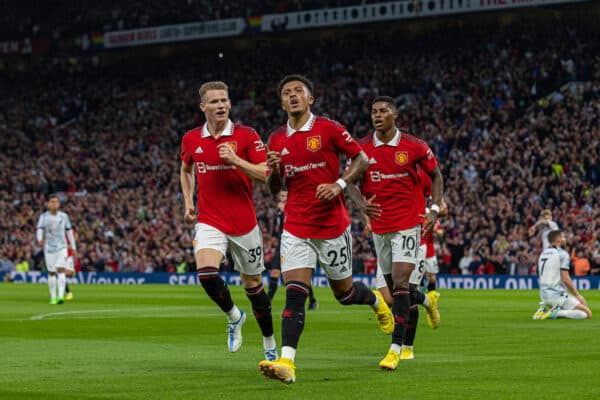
(435, 208)
(342, 183)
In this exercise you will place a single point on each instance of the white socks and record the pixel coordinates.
(376, 304)
(288, 352)
(396, 347)
(52, 286)
(234, 314)
(62, 280)
(426, 301)
(269, 342)
(571, 314)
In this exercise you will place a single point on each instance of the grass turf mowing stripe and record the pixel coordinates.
(486, 346)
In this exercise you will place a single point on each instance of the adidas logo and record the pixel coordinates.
(372, 161)
(199, 150)
(408, 254)
(285, 151)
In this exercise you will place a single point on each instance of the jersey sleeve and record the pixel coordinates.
(67, 222)
(186, 155)
(40, 224)
(564, 258)
(425, 180)
(255, 148)
(344, 142)
(425, 157)
(39, 234)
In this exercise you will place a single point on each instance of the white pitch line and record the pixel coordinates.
(197, 313)
(114, 310)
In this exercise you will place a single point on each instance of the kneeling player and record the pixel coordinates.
(555, 283)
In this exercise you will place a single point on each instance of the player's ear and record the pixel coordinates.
(311, 100)
(202, 106)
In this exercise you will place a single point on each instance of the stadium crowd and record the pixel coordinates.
(511, 137)
(59, 17)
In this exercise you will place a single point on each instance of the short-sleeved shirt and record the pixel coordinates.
(392, 176)
(225, 198)
(550, 263)
(55, 228)
(310, 156)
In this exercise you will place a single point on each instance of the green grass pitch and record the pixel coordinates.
(169, 342)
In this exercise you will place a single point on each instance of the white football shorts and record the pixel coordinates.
(564, 301)
(246, 250)
(402, 246)
(431, 265)
(334, 255)
(55, 260)
(415, 276)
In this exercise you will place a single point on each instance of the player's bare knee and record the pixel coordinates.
(400, 281)
(401, 275)
(251, 281)
(275, 273)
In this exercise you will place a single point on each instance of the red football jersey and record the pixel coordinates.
(392, 176)
(310, 157)
(225, 198)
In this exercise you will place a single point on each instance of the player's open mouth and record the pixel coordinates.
(221, 113)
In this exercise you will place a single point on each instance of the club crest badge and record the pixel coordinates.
(401, 157)
(313, 143)
(233, 146)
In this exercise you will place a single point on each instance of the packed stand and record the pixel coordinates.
(52, 18)
(108, 137)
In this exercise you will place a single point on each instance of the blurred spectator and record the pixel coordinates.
(581, 265)
(465, 263)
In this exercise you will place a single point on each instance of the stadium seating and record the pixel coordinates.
(512, 117)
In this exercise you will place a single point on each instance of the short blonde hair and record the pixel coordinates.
(546, 212)
(212, 85)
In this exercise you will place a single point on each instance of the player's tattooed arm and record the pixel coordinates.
(358, 166)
